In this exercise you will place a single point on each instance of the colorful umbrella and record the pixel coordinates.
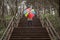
(29, 13)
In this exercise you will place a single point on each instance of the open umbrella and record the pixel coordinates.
(29, 13)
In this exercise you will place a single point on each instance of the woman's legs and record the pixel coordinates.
(30, 23)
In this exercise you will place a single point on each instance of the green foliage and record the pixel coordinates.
(55, 20)
(44, 16)
(8, 17)
(2, 27)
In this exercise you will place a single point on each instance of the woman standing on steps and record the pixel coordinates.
(29, 14)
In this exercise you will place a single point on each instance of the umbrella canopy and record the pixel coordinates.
(29, 13)
(29, 10)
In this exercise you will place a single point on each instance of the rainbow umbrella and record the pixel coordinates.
(29, 13)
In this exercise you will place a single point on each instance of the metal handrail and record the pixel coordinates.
(6, 31)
